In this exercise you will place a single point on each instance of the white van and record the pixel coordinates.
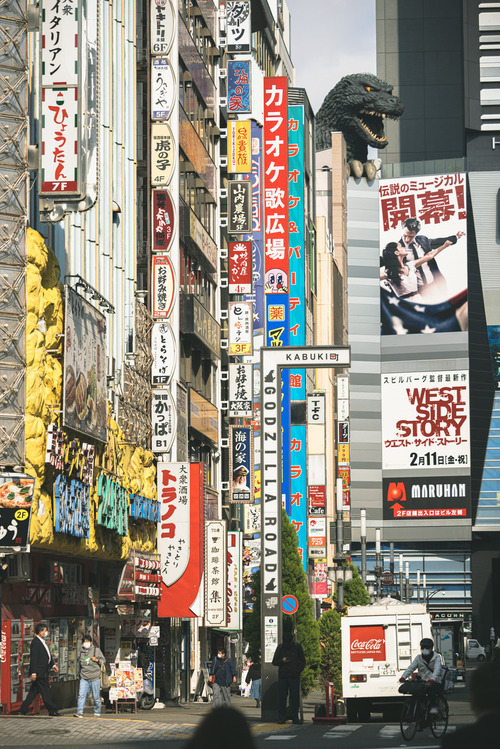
(474, 651)
(378, 643)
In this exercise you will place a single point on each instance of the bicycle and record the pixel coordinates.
(415, 711)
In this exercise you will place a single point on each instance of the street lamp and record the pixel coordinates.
(431, 595)
(340, 575)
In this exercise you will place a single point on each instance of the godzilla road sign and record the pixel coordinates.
(273, 360)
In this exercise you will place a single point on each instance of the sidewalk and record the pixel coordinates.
(172, 722)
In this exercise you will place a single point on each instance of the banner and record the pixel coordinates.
(276, 242)
(298, 487)
(163, 349)
(238, 86)
(423, 254)
(234, 581)
(427, 498)
(16, 496)
(241, 464)
(239, 204)
(180, 539)
(240, 328)
(256, 297)
(239, 26)
(216, 574)
(163, 88)
(163, 220)
(239, 147)
(85, 384)
(162, 26)
(240, 267)
(164, 286)
(163, 420)
(425, 420)
(241, 390)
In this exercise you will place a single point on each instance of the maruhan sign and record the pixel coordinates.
(273, 360)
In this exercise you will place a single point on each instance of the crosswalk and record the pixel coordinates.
(342, 733)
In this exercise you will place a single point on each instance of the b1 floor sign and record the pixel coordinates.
(273, 360)
(289, 604)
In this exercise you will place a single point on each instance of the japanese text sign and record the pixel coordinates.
(163, 417)
(276, 205)
(174, 527)
(239, 207)
(239, 26)
(60, 141)
(240, 267)
(164, 286)
(162, 154)
(425, 420)
(367, 642)
(216, 573)
(238, 86)
(163, 220)
(16, 496)
(239, 149)
(424, 290)
(241, 390)
(163, 89)
(298, 487)
(241, 463)
(164, 353)
(234, 581)
(60, 37)
(429, 498)
(240, 328)
(71, 507)
(162, 26)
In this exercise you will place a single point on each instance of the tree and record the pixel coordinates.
(355, 593)
(331, 650)
(294, 582)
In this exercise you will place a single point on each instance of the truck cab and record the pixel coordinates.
(474, 651)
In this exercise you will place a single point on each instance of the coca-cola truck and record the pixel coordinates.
(378, 643)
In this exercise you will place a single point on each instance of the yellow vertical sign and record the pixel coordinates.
(239, 147)
(343, 453)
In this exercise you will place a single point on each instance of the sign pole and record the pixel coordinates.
(273, 360)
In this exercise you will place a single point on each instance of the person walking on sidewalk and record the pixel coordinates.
(224, 671)
(254, 676)
(89, 670)
(290, 659)
(41, 662)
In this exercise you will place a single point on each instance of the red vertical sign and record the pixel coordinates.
(276, 250)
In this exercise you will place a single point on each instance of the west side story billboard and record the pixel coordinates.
(423, 255)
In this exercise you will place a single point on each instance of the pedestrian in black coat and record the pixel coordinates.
(290, 659)
(41, 663)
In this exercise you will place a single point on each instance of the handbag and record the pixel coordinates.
(104, 675)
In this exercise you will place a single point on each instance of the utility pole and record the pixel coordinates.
(401, 584)
(378, 563)
(363, 545)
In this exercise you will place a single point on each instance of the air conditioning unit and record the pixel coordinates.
(19, 567)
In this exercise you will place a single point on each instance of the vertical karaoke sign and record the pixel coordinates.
(164, 200)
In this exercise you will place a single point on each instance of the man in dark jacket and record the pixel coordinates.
(40, 664)
(225, 673)
(290, 659)
(485, 701)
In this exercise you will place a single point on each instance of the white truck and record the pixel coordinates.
(379, 642)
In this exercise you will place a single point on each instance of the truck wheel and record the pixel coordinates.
(480, 657)
(352, 712)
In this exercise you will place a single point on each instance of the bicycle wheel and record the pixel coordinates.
(439, 722)
(408, 722)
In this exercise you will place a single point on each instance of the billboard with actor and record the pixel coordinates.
(423, 254)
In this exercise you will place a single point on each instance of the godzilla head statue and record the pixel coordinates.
(357, 106)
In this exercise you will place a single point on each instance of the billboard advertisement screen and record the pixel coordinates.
(425, 420)
(423, 255)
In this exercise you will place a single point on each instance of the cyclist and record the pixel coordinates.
(428, 664)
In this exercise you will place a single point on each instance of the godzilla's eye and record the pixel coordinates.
(368, 88)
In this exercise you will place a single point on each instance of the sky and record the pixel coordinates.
(330, 39)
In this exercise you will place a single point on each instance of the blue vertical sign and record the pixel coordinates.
(298, 487)
(297, 244)
(257, 297)
(277, 334)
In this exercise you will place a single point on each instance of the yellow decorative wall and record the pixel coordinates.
(130, 465)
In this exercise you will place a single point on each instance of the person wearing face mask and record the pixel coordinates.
(224, 671)
(428, 664)
(41, 662)
(89, 669)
